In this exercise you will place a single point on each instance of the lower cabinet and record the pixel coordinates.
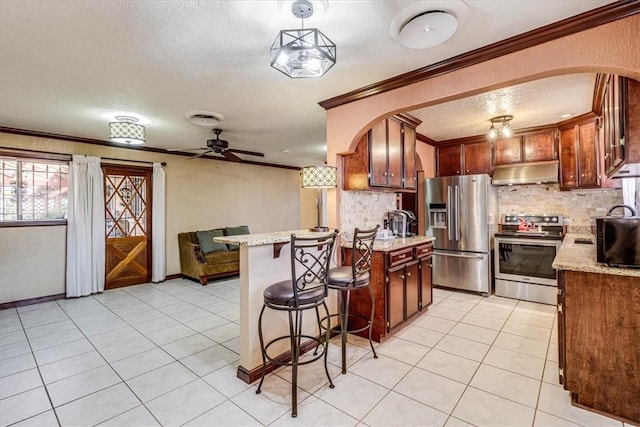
(599, 343)
(401, 284)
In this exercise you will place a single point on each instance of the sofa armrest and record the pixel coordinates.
(198, 253)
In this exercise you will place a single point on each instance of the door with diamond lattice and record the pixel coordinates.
(127, 192)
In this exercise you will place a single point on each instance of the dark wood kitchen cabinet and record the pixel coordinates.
(532, 146)
(620, 127)
(599, 343)
(508, 151)
(401, 284)
(579, 155)
(477, 158)
(385, 157)
(449, 160)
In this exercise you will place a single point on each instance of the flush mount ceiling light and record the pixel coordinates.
(428, 29)
(503, 130)
(303, 52)
(126, 130)
(204, 118)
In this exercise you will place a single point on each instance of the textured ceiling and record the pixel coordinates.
(66, 66)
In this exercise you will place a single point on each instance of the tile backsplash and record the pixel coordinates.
(577, 207)
(365, 209)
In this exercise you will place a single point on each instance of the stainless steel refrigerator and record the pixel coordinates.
(461, 213)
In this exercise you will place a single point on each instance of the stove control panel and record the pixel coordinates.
(512, 219)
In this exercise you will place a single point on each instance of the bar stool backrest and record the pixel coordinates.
(310, 258)
(362, 250)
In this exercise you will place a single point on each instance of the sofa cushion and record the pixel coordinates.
(235, 231)
(205, 240)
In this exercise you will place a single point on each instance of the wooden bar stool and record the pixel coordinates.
(307, 289)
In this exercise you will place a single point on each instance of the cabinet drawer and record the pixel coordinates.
(423, 250)
(400, 256)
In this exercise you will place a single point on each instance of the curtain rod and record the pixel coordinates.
(71, 155)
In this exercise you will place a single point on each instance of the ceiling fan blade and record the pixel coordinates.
(200, 154)
(230, 156)
(186, 149)
(250, 153)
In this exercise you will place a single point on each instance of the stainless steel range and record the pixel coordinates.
(524, 251)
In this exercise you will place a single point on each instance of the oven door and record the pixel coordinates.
(526, 260)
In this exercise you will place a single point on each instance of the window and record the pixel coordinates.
(32, 190)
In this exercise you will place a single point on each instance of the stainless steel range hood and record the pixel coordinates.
(526, 173)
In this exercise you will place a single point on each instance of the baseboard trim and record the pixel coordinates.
(31, 301)
(249, 376)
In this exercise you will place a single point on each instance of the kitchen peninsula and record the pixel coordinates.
(400, 281)
(598, 331)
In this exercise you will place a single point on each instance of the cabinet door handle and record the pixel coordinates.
(391, 174)
(402, 276)
(409, 274)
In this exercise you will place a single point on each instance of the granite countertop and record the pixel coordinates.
(389, 245)
(260, 239)
(580, 257)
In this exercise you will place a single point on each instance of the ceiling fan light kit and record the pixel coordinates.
(126, 130)
(303, 52)
(504, 127)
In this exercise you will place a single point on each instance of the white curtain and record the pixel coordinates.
(631, 194)
(158, 261)
(85, 227)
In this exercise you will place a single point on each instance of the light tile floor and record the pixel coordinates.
(166, 354)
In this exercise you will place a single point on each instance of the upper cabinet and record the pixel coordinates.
(529, 147)
(620, 127)
(464, 157)
(579, 155)
(385, 157)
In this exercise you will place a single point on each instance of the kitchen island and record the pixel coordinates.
(598, 331)
(265, 259)
(400, 281)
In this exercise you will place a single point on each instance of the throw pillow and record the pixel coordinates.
(235, 231)
(207, 245)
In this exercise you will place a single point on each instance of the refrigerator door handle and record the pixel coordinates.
(449, 217)
(457, 197)
(459, 255)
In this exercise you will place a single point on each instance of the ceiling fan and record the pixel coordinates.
(219, 146)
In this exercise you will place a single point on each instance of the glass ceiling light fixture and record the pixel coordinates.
(126, 130)
(303, 52)
(321, 178)
(503, 130)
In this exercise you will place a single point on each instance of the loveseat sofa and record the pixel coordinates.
(202, 259)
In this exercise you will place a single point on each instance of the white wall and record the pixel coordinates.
(200, 194)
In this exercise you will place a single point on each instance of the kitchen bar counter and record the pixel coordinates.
(389, 245)
(265, 259)
(580, 257)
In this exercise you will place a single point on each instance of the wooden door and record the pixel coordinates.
(395, 154)
(568, 166)
(539, 146)
(412, 286)
(449, 160)
(128, 225)
(426, 291)
(395, 299)
(587, 155)
(409, 148)
(477, 158)
(378, 153)
(508, 151)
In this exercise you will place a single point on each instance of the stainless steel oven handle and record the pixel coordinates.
(528, 242)
(458, 255)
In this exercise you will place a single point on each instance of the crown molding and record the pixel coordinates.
(575, 24)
